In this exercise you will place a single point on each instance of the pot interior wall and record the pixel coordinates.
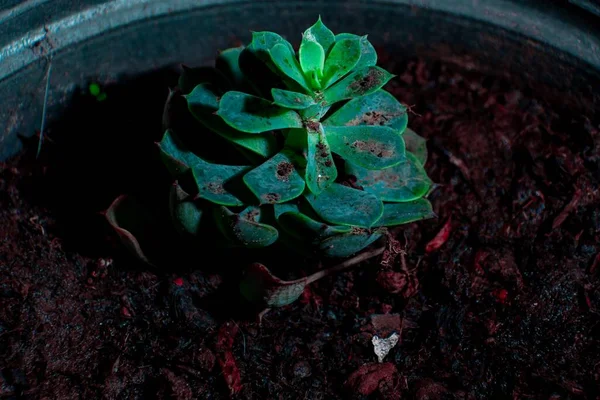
(193, 33)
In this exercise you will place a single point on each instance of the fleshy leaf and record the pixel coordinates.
(252, 114)
(292, 100)
(312, 61)
(263, 42)
(243, 229)
(282, 208)
(359, 83)
(378, 108)
(191, 77)
(132, 224)
(321, 171)
(175, 156)
(342, 58)
(416, 145)
(203, 103)
(303, 227)
(260, 286)
(347, 244)
(320, 34)
(404, 182)
(255, 62)
(286, 61)
(210, 178)
(404, 213)
(372, 147)
(342, 205)
(185, 212)
(228, 63)
(368, 54)
(276, 180)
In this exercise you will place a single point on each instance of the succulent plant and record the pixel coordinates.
(320, 154)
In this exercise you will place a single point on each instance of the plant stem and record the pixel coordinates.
(346, 264)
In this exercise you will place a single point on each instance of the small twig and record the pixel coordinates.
(346, 264)
(410, 110)
(43, 124)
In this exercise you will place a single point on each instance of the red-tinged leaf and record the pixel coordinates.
(131, 223)
(441, 238)
(260, 286)
(367, 378)
(229, 368)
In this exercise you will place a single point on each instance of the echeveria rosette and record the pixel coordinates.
(305, 123)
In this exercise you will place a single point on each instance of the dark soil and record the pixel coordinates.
(497, 298)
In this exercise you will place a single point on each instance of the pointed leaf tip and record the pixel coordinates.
(359, 83)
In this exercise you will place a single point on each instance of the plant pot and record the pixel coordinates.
(496, 297)
(555, 44)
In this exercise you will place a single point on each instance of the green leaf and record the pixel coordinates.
(212, 181)
(312, 60)
(372, 147)
(243, 229)
(378, 108)
(342, 205)
(292, 100)
(228, 64)
(253, 114)
(185, 212)
(282, 208)
(342, 59)
(276, 180)
(255, 62)
(368, 54)
(345, 245)
(359, 83)
(416, 145)
(320, 34)
(286, 61)
(263, 42)
(320, 167)
(305, 228)
(261, 287)
(191, 77)
(404, 213)
(175, 156)
(404, 182)
(203, 103)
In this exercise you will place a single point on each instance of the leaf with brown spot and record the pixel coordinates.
(378, 108)
(210, 178)
(405, 181)
(243, 229)
(371, 147)
(261, 287)
(321, 171)
(276, 180)
(359, 83)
